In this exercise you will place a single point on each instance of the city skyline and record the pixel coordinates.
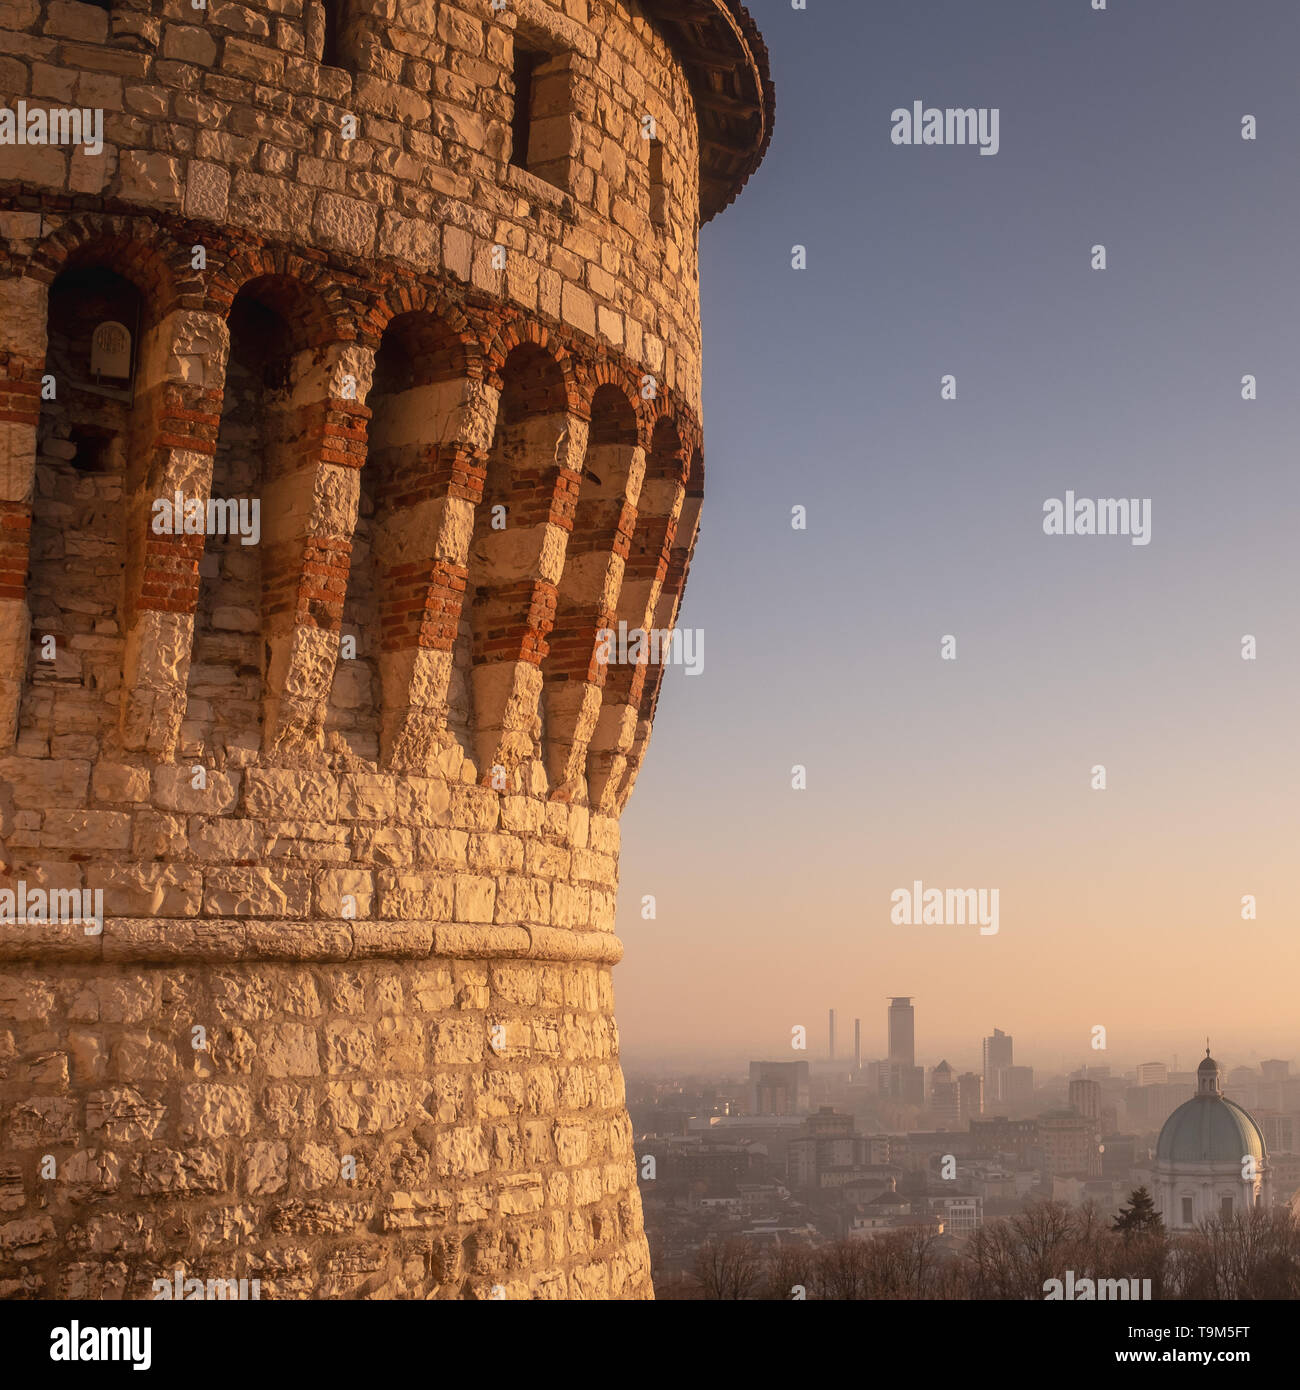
(963, 1055)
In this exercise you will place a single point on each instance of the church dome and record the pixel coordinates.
(1209, 1128)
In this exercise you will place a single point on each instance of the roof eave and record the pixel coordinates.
(726, 63)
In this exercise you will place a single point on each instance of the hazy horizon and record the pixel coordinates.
(686, 1060)
(822, 389)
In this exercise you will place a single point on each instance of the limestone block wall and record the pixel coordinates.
(348, 780)
(231, 118)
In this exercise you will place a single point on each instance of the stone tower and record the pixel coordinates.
(348, 390)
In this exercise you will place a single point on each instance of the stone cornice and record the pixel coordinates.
(726, 62)
(181, 941)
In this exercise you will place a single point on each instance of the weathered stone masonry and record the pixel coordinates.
(421, 278)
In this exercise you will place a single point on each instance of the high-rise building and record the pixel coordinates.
(779, 1088)
(831, 1052)
(1148, 1107)
(945, 1097)
(1242, 1084)
(1280, 1131)
(897, 1081)
(1085, 1098)
(997, 1058)
(857, 1044)
(970, 1094)
(902, 1031)
(1152, 1074)
(1118, 1154)
(1017, 1085)
(907, 1083)
(1069, 1143)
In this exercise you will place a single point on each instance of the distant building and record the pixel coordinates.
(828, 1152)
(945, 1096)
(890, 1212)
(970, 1093)
(902, 1031)
(1069, 1144)
(1152, 1074)
(772, 1232)
(1085, 1098)
(1148, 1107)
(1118, 1155)
(896, 1081)
(707, 1168)
(924, 1148)
(995, 1184)
(1242, 1084)
(1280, 1130)
(992, 1183)
(1017, 1085)
(997, 1135)
(779, 1088)
(904, 1083)
(962, 1215)
(771, 1133)
(997, 1058)
(867, 1185)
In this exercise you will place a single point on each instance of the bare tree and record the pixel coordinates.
(1255, 1255)
(790, 1267)
(731, 1269)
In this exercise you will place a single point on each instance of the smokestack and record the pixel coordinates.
(857, 1043)
(832, 1053)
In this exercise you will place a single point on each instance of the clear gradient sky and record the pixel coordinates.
(1120, 907)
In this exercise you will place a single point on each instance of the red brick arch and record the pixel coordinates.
(668, 454)
(448, 319)
(521, 331)
(329, 314)
(665, 410)
(137, 249)
(613, 416)
(602, 374)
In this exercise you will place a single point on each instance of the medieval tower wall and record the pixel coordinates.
(421, 279)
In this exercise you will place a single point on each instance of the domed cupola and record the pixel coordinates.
(1211, 1162)
(1210, 1128)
